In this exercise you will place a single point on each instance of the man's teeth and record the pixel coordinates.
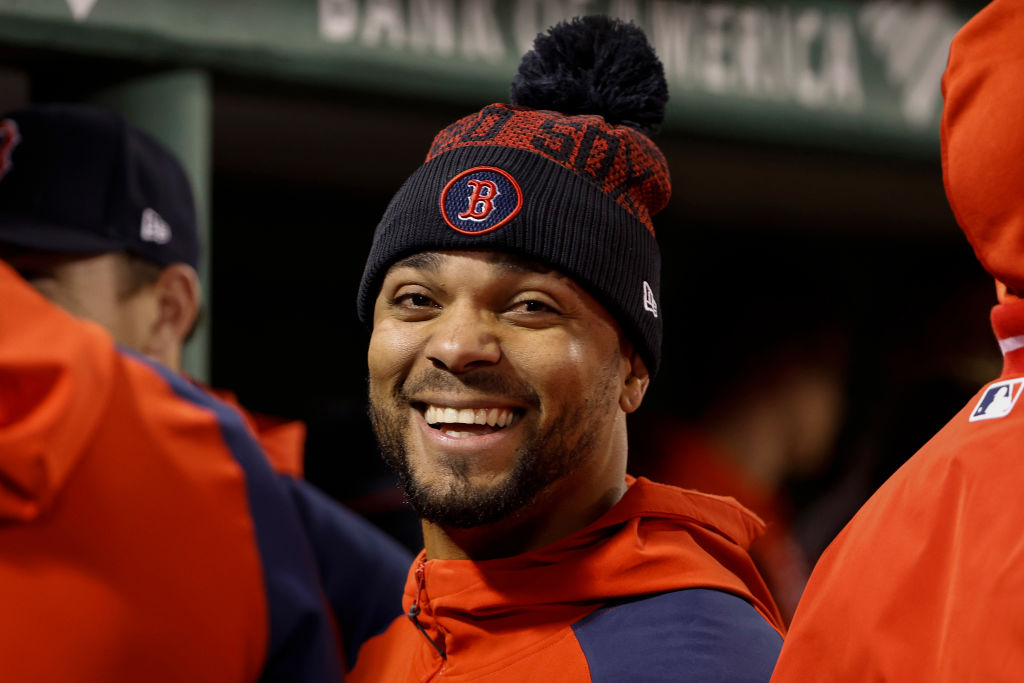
(494, 417)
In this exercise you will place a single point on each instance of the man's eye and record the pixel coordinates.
(533, 306)
(414, 301)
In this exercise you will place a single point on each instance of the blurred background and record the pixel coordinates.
(824, 315)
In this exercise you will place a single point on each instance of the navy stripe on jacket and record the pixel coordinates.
(696, 635)
(302, 645)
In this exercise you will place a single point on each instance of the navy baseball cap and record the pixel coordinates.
(80, 178)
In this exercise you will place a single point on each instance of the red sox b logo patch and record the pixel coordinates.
(480, 200)
(9, 139)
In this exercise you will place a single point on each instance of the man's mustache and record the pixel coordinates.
(479, 381)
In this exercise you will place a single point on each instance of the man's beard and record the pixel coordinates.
(546, 456)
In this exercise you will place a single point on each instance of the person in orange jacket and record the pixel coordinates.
(925, 582)
(81, 245)
(512, 289)
(143, 536)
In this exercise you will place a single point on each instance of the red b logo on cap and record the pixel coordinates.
(480, 200)
(9, 139)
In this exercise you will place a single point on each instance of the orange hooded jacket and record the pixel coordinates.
(692, 459)
(143, 537)
(283, 441)
(926, 582)
(362, 569)
(610, 602)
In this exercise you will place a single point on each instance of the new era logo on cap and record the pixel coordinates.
(9, 139)
(154, 228)
(480, 200)
(650, 302)
(998, 400)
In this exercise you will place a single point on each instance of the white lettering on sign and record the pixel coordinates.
(537, 16)
(713, 57)
(80, 9)
(432, 26)
(913, 43)
(384, 23)
(802, 55)
(773, 53)
(627, 10)
(481, 37)
(672, 27)
(424, 26)
(339, 19)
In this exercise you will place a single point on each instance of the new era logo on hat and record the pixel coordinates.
(480, 200)
(154, 228)
(650, 301)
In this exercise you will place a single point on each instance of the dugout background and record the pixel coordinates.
(849, 222)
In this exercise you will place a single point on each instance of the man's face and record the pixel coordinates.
(492, 379)
(90, 286)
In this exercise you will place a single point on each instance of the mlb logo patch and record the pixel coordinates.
(480, 200)
(998, 400)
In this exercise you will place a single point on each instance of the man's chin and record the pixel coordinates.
(464, 506)
(462, 503)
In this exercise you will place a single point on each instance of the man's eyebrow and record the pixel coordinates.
(518, 264)
(432, 260)
(426, 260)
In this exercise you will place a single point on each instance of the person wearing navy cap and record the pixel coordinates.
(99, 218)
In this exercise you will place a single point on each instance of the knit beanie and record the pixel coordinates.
(564, 175)
(983, 138)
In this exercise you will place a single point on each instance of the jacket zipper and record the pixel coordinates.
(414, 609)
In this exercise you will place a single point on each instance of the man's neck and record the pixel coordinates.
(540, 523)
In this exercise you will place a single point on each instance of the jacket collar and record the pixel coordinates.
(1008, 325)
(658, 538)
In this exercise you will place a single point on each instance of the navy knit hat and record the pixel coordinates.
(565, 175)
(79, 178)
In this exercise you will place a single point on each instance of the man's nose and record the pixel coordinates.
(464, 338)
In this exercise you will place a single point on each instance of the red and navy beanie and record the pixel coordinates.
(565, 175)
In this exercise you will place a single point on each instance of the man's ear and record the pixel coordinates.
(635, 383)
(178, 296)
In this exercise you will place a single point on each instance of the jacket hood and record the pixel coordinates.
(982, 139)
(658, 538)
(55, 380)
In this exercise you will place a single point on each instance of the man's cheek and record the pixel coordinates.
(390, 354)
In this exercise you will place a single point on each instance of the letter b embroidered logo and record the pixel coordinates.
(480, 200)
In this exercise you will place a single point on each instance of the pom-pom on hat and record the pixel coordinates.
(565, 175)
(983, 138)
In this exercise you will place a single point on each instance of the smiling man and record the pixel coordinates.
(512, 292)
(472, 441)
